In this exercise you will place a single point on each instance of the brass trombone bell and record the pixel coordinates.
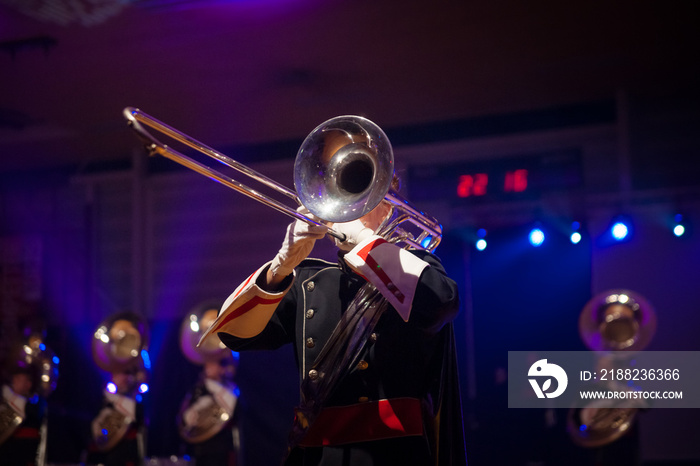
(343, 169)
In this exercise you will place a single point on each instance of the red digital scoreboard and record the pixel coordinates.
(522, 177)
(477, 184)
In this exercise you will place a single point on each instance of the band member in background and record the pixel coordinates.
(397, 402)
(30, 375)
(119, 429)
(21, 413)
(208, 419)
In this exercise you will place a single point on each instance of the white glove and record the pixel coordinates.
(355, 233)
(297, 244)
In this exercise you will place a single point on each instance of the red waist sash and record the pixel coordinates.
(24, 432)
(364, 422)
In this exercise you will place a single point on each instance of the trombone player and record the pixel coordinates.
(372, 334)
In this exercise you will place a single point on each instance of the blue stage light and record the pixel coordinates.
(481, 241)
(619, 231)
(536, 237)
(112, 387)
(679, 226)
(575, 237)
(143, 388)
(146, 359)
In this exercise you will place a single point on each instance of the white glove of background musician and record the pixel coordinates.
(355, 233)
(297, 244)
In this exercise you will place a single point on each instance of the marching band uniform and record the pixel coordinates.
(221, 448)
(208, 416)
(399, 404)
(21, 447)
(127, 452)
(119, 429)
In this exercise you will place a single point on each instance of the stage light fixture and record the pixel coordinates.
(536, 237)
(679, 226)
(575, 237)
(620, 230)
(481, 242)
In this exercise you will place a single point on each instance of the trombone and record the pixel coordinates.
(343, 170)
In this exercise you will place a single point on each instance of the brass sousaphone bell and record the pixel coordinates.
(614, 320)
(193, 326)
(617, 320)
(118, 342)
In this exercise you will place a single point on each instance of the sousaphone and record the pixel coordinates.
(117, 347)
(614, 320)
(33, 357)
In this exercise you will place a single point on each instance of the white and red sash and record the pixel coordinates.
(394, 271)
